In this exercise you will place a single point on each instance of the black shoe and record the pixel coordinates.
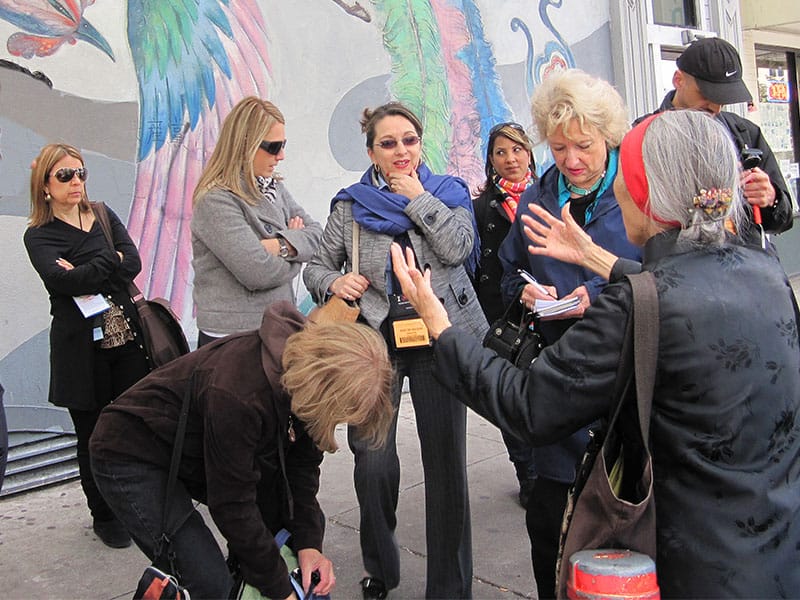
(525, 491)
(372, 588)
(112, 533)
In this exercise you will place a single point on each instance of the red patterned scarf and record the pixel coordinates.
(511, 192)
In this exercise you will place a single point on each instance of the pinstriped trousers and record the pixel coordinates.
(441, 427)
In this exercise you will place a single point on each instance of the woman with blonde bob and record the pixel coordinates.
(92, 358)
(583, 120)
(725, 422)
(263, 406)
(249, 237)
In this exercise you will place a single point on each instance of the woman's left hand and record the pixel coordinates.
(417, 289)
(577, 313)
(405, 184)
(64, 264)
(311, 560)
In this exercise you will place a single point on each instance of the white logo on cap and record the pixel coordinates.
(729, 74)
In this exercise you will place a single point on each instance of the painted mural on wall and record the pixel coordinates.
(462, 65)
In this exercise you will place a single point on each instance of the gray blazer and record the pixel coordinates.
(442, 238)
(234, 277)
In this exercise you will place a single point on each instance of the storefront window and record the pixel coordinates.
(777, 108)
(680, 13)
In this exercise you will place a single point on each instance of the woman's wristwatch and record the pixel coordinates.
(284, 251)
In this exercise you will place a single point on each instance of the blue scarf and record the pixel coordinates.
(382, 211)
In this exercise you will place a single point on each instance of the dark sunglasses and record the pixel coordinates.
(273, 148)
(409, 140)
(65, 175)
(511, 124)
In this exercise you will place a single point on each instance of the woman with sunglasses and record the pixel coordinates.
(583, 120)
(249, 236)
(398, 199)
(95, 353)
(509, 172)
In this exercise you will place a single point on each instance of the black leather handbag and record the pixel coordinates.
(514, 336)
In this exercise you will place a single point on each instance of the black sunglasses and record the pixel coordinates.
(511, 124)
(273, 148)
(65, 175)
(409, 140)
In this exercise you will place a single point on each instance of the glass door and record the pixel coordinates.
(778, 109)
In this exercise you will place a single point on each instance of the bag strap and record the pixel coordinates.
(101, 214)
(172, 478)
(645, 335)
(356, 241)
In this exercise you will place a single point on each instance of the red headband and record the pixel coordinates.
(632, 162)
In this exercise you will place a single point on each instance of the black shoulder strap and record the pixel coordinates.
(645, 336)
(101, 214)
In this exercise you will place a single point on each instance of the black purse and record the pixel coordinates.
(514, 336)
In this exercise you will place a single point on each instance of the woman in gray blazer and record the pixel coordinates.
(398, 199)
(249, 236)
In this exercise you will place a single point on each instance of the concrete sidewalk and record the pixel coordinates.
(48, 549)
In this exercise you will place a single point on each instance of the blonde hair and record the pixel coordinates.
(574, 94)
(42, 165)
(231, 164)
(339, 373)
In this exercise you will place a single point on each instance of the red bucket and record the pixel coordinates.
(609, 573)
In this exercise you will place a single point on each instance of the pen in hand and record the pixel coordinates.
(532, 280)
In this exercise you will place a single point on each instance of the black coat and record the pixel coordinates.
(493, 225)
(725, 428)
(98, 270)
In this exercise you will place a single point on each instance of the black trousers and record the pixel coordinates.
(115, 370)
(543, 517)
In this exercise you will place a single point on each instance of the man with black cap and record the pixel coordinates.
(709, 75)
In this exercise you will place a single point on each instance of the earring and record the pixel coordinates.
(47, 197)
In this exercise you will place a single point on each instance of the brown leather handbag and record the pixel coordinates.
(163, 335)
(611, 504)
(335, 308)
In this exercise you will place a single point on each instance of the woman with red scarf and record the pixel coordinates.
(509, 172)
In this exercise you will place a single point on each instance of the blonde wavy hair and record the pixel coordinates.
(42, 165)
(231, 164)
(574, 94)
(339, 373)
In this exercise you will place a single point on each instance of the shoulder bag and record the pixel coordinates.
(336, 309)
(164, 339)
(514, 337)
(611, 504)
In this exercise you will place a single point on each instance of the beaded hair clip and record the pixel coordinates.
(714, 202)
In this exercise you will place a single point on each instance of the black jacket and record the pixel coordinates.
(725, 430)
(747, 133)
(98, 270)
(493, 225)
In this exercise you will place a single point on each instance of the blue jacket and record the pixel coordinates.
(557, 461)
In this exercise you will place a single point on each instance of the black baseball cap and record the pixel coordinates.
(716, 66)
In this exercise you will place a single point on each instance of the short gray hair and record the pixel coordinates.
(684, 152)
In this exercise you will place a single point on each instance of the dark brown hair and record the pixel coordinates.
(371, 117)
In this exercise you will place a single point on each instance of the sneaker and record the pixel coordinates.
(525, 491)
(112, 533)
(372, 588)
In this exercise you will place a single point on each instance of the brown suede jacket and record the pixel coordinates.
(237, 457)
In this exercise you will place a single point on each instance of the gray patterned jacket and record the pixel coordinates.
(442, 238)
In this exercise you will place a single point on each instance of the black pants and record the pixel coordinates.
(115, 370)
(543, 517)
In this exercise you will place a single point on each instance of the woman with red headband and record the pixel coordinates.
(582, 119)
(725, 426)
